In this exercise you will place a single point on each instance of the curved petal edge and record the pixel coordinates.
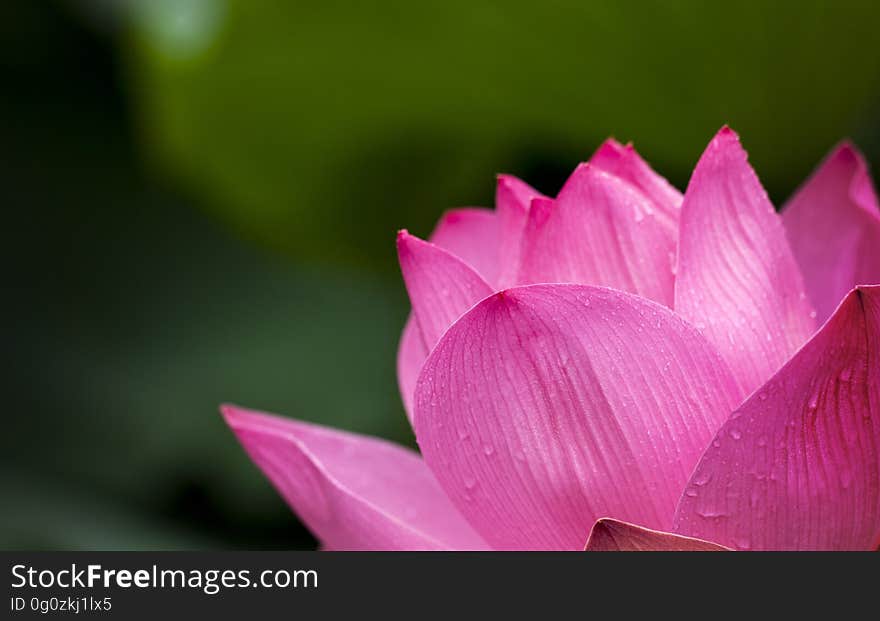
(352, 491)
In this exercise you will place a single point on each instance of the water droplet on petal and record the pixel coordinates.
(702, 477)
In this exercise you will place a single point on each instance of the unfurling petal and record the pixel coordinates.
(472, 234)
(353, 492)
(833, 226)
(546, 407)
(797, 466)
(600, 231)
(440, 285)
(737, 279)
(615, 536)
(512, 200)
(624, 162)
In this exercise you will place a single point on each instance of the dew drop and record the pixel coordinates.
(711, 514)
(736, 434)
(703, 477)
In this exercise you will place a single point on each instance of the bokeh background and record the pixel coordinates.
(200, 199)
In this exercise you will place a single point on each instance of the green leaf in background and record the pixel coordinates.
(323, 126)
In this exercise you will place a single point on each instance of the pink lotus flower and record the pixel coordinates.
(695, 372)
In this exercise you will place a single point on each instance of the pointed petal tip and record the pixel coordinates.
(725, 138)
(239, 418)
(232, 414)
(407, 242)
(847, 152)
(610, 149)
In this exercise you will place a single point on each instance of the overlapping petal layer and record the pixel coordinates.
(737, 280)
(512, 200)
(833, 226)
(623, 161)
(473, 235)
(547, 407)
(601, 231)
(441, 287)
(797, 466)
(353, 492)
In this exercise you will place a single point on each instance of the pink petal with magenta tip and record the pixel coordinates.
(440, 285)
(625, 162)
(737, 280)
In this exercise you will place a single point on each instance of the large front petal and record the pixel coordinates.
(547, 407)
(797, 467)
(600, 231)
(353, 492)
(610, 535)
(833, 226)
(737, 279)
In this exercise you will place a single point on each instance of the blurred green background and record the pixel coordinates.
(201, 198)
